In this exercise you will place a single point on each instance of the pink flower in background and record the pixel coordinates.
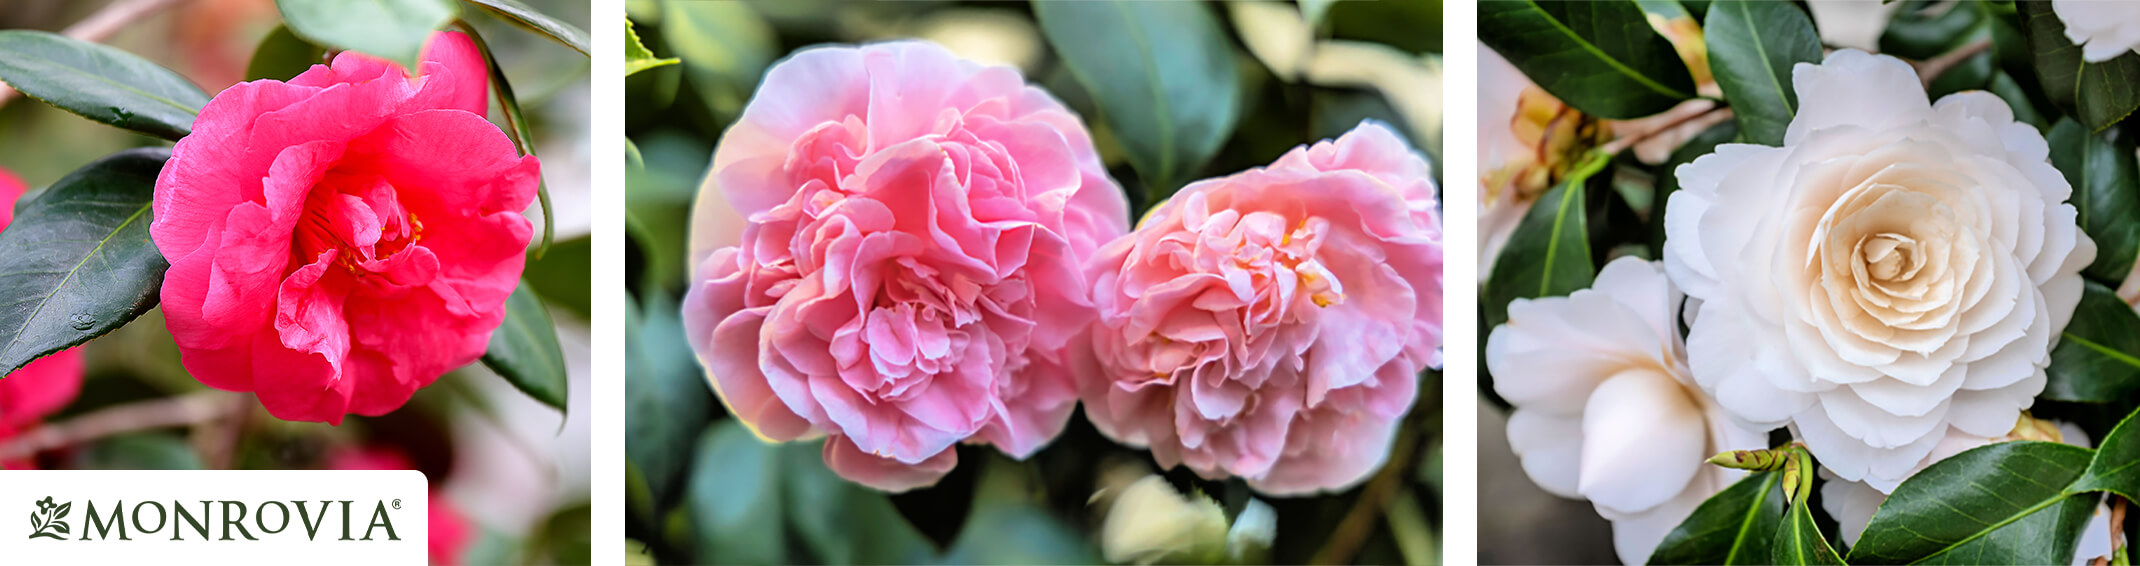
(340, 240)
(44, 386)
(887, 251)
(450, 532)
(1272, 324)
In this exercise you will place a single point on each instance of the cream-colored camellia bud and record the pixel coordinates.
(1149, 522)
(2103, 30)
(1604, 408)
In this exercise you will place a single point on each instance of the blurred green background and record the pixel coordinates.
(703, 490)
(515, 470)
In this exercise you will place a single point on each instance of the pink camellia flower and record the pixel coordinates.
(1272, 324)
(887, 248)
(340, 240)
(450, 532)
(43, 386)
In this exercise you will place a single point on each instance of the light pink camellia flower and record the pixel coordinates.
(1272, 324)
(887, 251)
(340, 240)
(43, 386)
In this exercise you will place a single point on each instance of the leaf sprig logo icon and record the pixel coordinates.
(49, 520)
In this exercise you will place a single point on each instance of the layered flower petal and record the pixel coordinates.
(886, 250)
(1896, 269)
(1272, 324)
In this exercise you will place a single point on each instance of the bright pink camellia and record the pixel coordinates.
(1272, 324)
(887, 253)
(340, 240)
(44, 386)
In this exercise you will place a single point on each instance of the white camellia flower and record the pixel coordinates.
(1604, 408)
(1894, 269)
(2103, 29)
(1852, 503)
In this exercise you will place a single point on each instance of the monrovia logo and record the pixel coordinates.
(216, 520)
(49, 520)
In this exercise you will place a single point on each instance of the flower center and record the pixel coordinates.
(363, 226)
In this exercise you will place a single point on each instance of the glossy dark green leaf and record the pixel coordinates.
(734, 497)
(662, 377)
(2003, 503)
(395, 30)
(522, 15)
(524, 349)
(77, 261)
(2098, 355)
(562, 277)
(1971, 73)
(100, 83)
(2098, 94)
(1549, 253)
(1162, 74)
(2106, 190)
(2116, 467)
(283, 55)
(1601, 57)
(1798, 540)
(1924, 29)
(1752, 46)
(1735, 526)
(636, 56)
(841, 522)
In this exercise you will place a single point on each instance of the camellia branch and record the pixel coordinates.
(1930, 69)
(166, 412)
(1622, 144)
(98, 26)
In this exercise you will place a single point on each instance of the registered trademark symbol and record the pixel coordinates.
(397, 504)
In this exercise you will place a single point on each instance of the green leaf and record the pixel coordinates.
(842, 522)
(139, 451)
(1731, 527)
(1162, 74)
(524, 349)
(520, 14)
(2116, 466)
(1006, 526)
(100, 83)
(2106, 190)
(2099, 94)
(1549, 253)
(283, 55)
(725, 47)
(1798, 540)
(2003, 503)
(661, 377)
(77, 261)
(2098, 355)
(1600, 57)
(735, 501)
(395, 30)
(561, 277)
(1923, 29)
(636, 56)
(1752, 46)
